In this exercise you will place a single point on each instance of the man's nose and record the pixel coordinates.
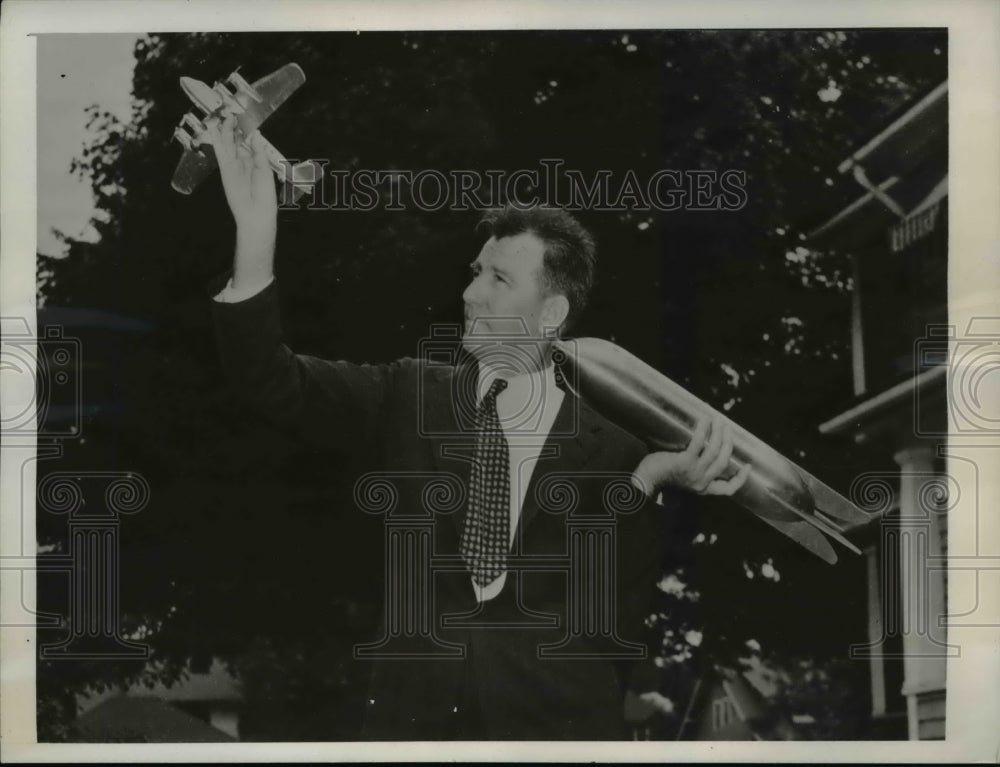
(470, 293)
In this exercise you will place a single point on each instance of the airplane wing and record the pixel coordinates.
(273, 89)
(194, 166)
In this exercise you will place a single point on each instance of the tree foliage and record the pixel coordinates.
(242, 552)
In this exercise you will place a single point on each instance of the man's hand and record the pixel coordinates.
(698, 468)
(249, 185)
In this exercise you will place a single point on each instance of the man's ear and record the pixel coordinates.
(555, 312)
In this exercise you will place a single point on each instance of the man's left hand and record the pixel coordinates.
(698, 468)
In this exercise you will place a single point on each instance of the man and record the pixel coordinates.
(514, 655)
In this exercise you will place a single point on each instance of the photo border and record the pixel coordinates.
(973, 706)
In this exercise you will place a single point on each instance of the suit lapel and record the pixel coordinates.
(568, 448)
(448, 409)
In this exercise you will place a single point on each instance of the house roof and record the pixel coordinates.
(747, 689)
(749, 701)
(899, 398)
(903, 169)
(215, 685)
(908, 137)
(131, 719)
(916, 400)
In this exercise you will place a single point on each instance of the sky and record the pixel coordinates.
(74, 71)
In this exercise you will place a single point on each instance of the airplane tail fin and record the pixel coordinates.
(305, 177)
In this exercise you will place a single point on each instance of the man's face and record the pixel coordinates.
(505, 296)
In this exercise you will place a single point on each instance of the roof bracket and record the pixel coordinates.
(862, 178)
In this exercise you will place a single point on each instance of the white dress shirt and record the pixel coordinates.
(229, 294)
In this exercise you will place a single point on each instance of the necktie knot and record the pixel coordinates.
(496, 387)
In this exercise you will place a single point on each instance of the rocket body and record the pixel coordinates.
(664, 415)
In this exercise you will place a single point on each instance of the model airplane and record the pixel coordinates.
(252, 105)
(664, 415)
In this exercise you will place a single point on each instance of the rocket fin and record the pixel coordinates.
(806, 536)
(833, 503)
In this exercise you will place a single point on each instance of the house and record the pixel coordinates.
(201, 708)
(718, 704)
(896, 235)
(128, 719)
(732, 705)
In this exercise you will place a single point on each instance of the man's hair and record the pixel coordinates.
(570, 256)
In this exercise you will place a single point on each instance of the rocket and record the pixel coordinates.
(664, 415)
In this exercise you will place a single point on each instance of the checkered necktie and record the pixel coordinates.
(486, 534)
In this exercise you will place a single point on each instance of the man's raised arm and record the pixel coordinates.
(249, 185)
(335, 404)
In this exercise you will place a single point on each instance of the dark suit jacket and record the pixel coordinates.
(577, 507)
